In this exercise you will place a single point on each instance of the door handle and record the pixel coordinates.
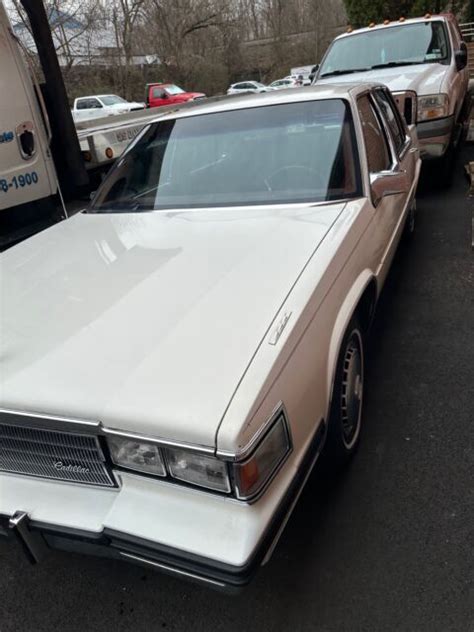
(25, 133)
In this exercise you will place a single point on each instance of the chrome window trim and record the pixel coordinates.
(400, 154)
(387, 136)
(387, 133)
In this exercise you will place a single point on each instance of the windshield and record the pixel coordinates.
(298, 152)
(418, 43)
(172, 89)
(112, 99)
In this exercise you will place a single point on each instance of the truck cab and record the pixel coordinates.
(28, 180)
(160, 94)
(102, 105)
(424, 63)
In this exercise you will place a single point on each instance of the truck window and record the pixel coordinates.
(393, 118)
(88, 104)
(158, 93)
(378, 154)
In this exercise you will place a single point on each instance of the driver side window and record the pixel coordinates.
(376, 146)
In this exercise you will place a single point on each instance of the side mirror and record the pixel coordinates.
(314, 70)
(460, 57)
(388, 183)
(164, 95)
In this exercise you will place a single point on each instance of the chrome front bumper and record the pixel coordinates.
(96, 527)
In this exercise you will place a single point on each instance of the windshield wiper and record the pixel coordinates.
(119, 206)
(394, 64)
(346, 71)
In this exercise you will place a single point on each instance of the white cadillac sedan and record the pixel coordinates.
(175, 359)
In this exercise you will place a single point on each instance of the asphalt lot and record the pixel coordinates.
(389, 546)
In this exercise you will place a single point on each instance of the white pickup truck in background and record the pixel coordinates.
(424, 63)
(98, 106)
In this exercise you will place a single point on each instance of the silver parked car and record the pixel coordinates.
(247, 86)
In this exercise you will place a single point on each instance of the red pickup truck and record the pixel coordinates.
(158, 94)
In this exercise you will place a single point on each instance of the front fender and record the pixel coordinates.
(341, 323)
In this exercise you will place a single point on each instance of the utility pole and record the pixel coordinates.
(65, 144)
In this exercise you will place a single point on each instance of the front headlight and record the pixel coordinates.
(135, 454)
(183, 465)
(432, 106)
(198, 469)
(247, 478)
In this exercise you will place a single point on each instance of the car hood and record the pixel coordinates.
(147, 322)
(186, 96)
(125, 106)
(422, 78)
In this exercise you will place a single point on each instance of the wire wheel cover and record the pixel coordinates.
(352, 388)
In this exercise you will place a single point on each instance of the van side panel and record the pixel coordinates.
(27, 172)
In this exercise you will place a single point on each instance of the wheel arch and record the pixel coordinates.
(361, 299)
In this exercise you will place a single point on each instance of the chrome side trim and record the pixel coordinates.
(171, 569)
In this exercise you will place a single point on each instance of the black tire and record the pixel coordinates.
(345, 418)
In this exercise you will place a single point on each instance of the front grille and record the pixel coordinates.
(406, 102)
(62, 456)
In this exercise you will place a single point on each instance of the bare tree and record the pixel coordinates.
(74, 25)
(125, 16)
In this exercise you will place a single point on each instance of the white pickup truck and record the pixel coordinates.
(102, 105)
(424, 63)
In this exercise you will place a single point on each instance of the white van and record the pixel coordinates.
(424, 63)
(27, 174)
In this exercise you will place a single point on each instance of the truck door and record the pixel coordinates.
(158, 97)
(89, 108)
(27, 172)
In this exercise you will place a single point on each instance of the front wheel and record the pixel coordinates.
(345, 417)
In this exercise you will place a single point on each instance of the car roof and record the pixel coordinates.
(378, 27)
(242, 101)
(99, 96)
